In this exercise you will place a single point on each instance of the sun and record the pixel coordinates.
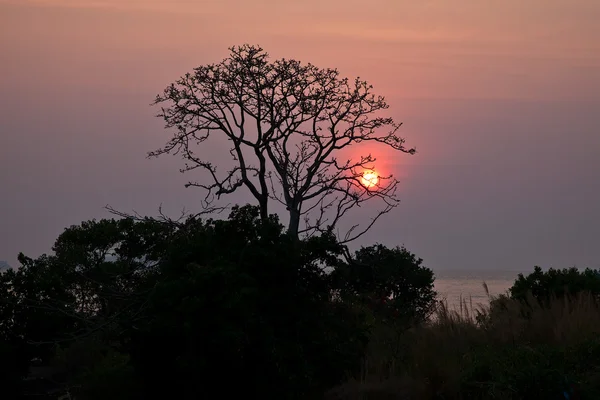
(369, 179)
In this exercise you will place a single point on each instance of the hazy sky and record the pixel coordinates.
(500, 97)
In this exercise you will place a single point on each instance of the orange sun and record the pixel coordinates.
(369, 179)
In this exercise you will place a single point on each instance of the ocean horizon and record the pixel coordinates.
(454, 285)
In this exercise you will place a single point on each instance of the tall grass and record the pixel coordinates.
(504, 349)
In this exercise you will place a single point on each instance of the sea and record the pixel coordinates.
(454, 285)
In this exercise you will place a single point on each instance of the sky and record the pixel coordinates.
(500, 98)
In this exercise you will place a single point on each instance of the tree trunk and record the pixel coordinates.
(294, 224)
(264, 210)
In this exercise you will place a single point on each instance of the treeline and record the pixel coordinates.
(138, 308)
(144, 308)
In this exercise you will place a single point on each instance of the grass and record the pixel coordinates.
(501, 350)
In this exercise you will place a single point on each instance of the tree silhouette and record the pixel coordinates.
(286, 123)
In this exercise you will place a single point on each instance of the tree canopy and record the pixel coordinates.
(287, 125)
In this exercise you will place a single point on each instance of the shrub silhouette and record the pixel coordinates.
(543, 285)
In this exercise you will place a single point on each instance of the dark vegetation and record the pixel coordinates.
(243, 307)
(133, 309)
(540, 340)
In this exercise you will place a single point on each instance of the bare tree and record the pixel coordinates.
(287, 124)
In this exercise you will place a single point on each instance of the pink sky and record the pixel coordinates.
(500, 97)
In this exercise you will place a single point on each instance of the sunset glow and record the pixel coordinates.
(488, 92)
(369, 179)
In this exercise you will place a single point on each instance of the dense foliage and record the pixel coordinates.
(392, 282)
(140, 308)
(543, 285)
(539, 341)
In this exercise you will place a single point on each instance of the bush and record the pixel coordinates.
(392, 282)
(95, 370)
(492, 353)
(555, 283)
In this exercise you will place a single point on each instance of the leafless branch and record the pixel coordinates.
(163, 218)
(286, 123)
